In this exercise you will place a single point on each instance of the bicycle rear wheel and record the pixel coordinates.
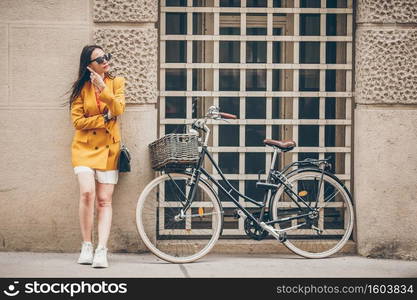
(324, 232)
(167, 234)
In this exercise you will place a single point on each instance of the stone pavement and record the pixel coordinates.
(27, 264)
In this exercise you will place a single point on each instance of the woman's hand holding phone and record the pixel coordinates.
(99, 83)
(96, 79)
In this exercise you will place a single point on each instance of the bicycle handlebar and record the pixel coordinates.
(212, 113)
(227, 115)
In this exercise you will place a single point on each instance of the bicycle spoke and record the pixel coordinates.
(179, 190)
(172, 236)
(330, 198)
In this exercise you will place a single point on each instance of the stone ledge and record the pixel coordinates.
(246, 246)
(125, 11)
(389, 250)
(386, 11)
(386, 61)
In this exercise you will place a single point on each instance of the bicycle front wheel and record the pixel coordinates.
(319, 233)
(170, 232)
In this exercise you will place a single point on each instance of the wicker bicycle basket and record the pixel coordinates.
(174, 150)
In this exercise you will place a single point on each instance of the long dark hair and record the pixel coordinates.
(83, 73)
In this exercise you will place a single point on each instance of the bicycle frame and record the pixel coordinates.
(193, 214)
(199, 169)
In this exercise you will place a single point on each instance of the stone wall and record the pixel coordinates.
(385, 144)
(127, 29)
(40, 46)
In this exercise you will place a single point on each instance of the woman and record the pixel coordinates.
(96, 100)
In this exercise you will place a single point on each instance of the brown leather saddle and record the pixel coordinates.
(284, 145)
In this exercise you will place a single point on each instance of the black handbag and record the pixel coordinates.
(123, 163)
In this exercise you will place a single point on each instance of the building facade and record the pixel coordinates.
(336, 76)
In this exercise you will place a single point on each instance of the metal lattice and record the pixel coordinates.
(284, 67)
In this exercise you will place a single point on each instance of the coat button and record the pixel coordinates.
(96, 148)
(107, 146)
(94, 132)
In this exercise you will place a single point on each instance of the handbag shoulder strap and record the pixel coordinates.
(118, 120)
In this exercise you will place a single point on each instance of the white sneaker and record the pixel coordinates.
(86, 255)
(100, 258)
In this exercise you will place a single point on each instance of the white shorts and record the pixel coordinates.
(110, 176)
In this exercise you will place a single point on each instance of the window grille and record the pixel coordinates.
(284, 67)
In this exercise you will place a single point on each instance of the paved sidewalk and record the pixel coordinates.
(26, 264)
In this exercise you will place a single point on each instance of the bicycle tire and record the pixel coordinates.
(192, 244)
(330, 240)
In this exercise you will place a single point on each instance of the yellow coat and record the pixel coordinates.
(96, 144)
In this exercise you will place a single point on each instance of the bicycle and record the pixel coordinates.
(179, 215)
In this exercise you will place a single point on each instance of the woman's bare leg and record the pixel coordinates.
(86, 209)
(104, 192)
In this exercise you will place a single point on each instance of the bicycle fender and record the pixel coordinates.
(320, 170)
(306, 169)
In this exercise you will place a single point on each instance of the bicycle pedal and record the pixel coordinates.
(239, 214)
(236, 215)
(318, 230)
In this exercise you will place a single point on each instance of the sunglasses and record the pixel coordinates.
(101, 59)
